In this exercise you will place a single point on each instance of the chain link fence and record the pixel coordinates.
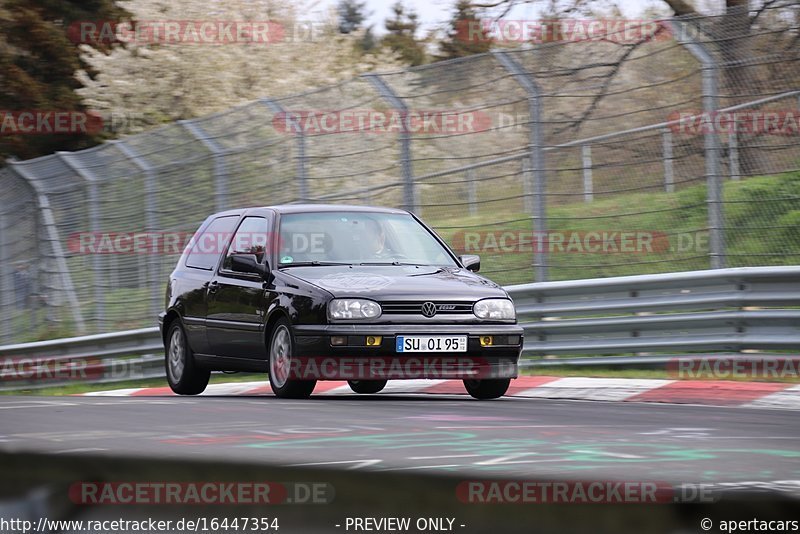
(564, 160)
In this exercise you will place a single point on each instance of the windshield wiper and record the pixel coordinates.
(314, 263)
(394, 263)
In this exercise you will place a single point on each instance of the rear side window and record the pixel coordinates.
(207, 246)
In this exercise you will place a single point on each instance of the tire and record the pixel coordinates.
(184, 376)
(487, 389)
(366, 386)
(281, 351)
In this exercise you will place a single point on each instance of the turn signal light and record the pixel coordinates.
(486, 341)
(374, 341)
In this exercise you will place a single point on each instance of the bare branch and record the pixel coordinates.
(615, 68)
(508, 5)
(681, 7)
(765, 6)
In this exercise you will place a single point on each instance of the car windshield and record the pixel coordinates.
(358, 238)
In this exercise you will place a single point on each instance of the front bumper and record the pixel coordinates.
(317, 359)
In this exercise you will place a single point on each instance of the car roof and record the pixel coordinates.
(312, 208)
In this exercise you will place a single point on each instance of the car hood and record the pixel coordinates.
(399, 282)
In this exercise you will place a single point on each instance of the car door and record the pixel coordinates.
(193, 280)
(237, 302)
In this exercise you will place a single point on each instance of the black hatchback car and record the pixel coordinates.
(319, 292)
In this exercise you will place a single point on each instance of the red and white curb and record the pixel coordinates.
(703, 392)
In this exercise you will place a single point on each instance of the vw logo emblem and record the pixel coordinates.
(429, 309)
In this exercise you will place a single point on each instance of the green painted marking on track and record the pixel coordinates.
(576, 456)
(384, 441)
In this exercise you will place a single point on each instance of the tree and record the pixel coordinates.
(351, 15)
(351, 18)
(466, 35)
(368, 41)
(37, 66)
(401, 38)
(162, 82)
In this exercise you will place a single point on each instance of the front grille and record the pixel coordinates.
(415, 307)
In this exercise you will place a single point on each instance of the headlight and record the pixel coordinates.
(494, 309)
(353, 309)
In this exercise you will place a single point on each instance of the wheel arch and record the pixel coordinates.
(276, 315)
(169, 318)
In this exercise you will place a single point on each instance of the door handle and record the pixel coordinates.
(213, 286)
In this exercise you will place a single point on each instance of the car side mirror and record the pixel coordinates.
(248, 263)
(471, 262)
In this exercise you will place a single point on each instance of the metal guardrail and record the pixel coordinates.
(98, 358)
(717, 313)
(126, 342)
(702, 312)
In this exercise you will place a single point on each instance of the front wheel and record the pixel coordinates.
(487, 389)
(184, 376)
(366, 386)
(281, 354)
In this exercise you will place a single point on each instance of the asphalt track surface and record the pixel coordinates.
(526, 438)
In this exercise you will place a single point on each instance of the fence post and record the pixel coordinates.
(51, 230)
(8, 297)
(472, 193)
(38, 290)
(733, 154)
(150, 219)
(301, 172)
(536, 149)
(220, 168)
(669, 173)
(588, 186)
(527, 184)
(410, 200)
(712, 147)
(93, 201)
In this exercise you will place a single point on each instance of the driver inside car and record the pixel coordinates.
(376, 240)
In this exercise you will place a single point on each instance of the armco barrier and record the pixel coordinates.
(99, 358)
(723, 310)
(632, 321)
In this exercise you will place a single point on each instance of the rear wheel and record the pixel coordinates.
(281, 353)
(487, 389)
(366, 386)
(184, 376)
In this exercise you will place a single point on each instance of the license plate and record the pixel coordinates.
(431, 343)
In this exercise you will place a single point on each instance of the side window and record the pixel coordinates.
(206, 247)
(252, 237)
